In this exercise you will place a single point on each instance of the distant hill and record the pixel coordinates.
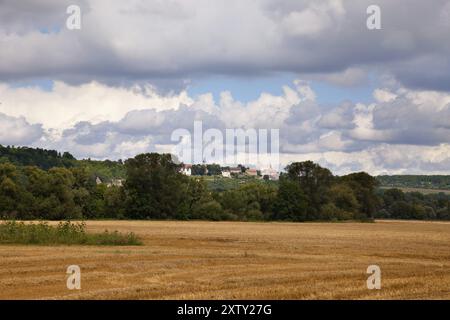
(416, 181)
(107, 170)
(46, 159)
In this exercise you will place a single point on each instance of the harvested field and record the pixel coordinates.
(237, 260)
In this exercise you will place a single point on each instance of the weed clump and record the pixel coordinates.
(65, 233)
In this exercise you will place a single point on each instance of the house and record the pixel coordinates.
(115, 183)
(235, 170)
(226, 173)
(271, 174)
(186, 169)
(251, 172)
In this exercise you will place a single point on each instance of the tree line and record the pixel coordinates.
(155, 189)
(396, 204)
(416, 181)
(42, 158)
(106, 170)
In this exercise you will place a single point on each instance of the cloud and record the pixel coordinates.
(401, 130)
(413, 117)
(170, 42)
(383, 95)
(66, 105)
(382, 159)
(350, 77)
(340, 117)
(101, 104)
(16, 131)
(313, 19)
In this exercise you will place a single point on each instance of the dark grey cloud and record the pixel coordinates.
(169, 41)
(86, 133)
(144, 122)
(410, 123)
(138, 125)
(20, 17)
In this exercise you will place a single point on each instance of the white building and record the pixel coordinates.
(251, 172)
(226, 174)
(115, 183)
(186, 169)
(271, 173)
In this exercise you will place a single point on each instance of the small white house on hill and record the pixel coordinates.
(186, 169)
(226, 174)
(271, 174)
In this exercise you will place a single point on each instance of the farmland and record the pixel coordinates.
(421, 190)
(239, 260)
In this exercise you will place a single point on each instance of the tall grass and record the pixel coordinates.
(66, 233)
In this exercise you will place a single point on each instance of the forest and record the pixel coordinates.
(31, 187)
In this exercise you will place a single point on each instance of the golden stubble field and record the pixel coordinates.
(234, 260)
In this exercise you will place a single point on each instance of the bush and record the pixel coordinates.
(67, 233)
(330, 212)
(254, 215)
(211, 210)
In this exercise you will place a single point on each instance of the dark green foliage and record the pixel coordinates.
(219, 184)
(208, 210)
(309, 192)
(343, 204)
(65, 233)
(47, 159)
(252, 201)
(198, 170)
(395, 204)
(206, 169)
(154, 188)
(44, 159)
(314, 181)
(364, 186)
(106, 170)
(291, 202)
(213, 169)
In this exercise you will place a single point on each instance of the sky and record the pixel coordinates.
(346, 96)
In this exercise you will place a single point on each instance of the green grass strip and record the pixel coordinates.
(65, 233)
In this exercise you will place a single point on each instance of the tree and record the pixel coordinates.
(392, 195)
(207, 210)
(44, 159)
(315, 182)
(87, 195)
(195, 192)
(263, 194)
(234, 202)
(153, 186)
(344, 199)
(198, 170)
(291, 202)
(68, 156)
(9, 190)
(251, 201)
(114, 202)
(243, 168)
(62, 198)
(214, 169)
(364, 186)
